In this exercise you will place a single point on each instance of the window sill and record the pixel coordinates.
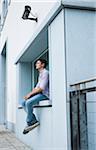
(44, 103)
(19, 107)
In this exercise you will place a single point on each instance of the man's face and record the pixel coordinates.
(39, 65)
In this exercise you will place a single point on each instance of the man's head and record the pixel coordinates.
(40, 64)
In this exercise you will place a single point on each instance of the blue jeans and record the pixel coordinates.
(28, 106)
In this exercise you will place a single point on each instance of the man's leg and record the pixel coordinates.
(29, 107)
(23, 104)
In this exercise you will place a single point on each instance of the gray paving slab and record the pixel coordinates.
(8, 141)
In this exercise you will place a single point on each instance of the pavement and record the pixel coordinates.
(8, 141)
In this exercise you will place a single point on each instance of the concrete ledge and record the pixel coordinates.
(37, 138)
(19, 107)
(81, 4)
(44, 103)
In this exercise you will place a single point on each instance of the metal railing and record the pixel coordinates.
(84, 81)
(78, 112)
(84, 85)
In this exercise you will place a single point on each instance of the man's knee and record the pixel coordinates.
(23, 103)
(28, 103)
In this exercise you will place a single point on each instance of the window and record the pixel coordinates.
(9, 1)
(44, 55)
(4, 8)
(4, 11)
(0, 23)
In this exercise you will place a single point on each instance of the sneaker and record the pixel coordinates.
(20, 106)
(30, 127)
(25, 132)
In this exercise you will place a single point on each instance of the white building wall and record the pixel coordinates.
(19, 32)
(51, 118)
(80, 44)
(58, 82)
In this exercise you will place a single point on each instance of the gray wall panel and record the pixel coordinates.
(80, 44)
(81, 56)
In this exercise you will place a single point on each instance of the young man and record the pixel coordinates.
(40, 92)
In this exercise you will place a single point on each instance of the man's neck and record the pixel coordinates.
(41, 69)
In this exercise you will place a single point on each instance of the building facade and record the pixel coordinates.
(64, 35)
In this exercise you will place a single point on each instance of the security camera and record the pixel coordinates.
(27, 12)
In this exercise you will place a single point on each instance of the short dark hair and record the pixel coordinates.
(43, 61)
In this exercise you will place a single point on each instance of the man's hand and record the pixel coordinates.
(34, 92)
(27, 96)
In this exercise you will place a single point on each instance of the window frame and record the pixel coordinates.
(46, 103)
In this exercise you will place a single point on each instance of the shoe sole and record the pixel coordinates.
(25, 132)
(32, 127)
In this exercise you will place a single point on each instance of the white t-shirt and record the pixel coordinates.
(43, 82)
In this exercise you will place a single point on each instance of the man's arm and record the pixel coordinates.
(33, 92)
(39, 87)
